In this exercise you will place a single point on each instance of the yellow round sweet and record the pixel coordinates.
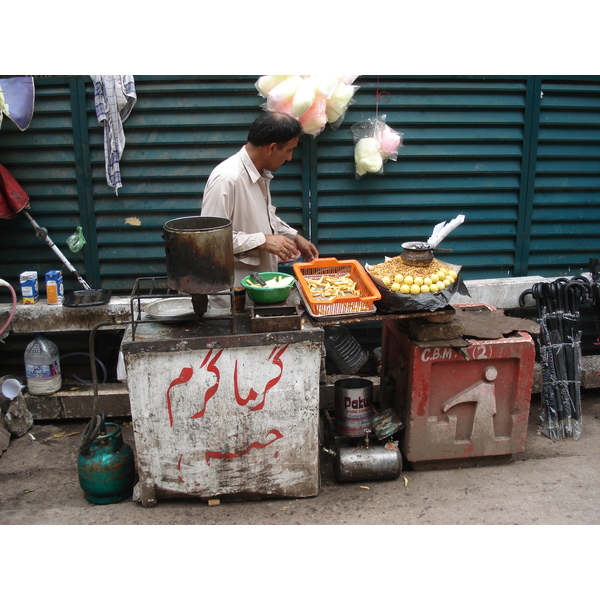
(408, 280)
(415, 289)
(395, 287)
(418, 280)
(434, 277)
(441, 285)
(405, 289)
(427, 281)
(399, 278)
(425, 289)
(447, 282)
(453, 273)
(433, 288)
(387, 281)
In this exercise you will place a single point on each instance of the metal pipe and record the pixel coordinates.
(93, 357)
(42, 232)
(13, 309)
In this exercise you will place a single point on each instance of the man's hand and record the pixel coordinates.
(281, 246)
(307, 249)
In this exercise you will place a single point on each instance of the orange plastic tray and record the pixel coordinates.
(337, 268)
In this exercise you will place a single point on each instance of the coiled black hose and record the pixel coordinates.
(79, 379)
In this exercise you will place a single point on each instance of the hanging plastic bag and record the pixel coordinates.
(367, 156)
(314, 100)
(375, 143)
(367, 149)
(266, 83)
(338, 103)
(76, 241)
(389, 140)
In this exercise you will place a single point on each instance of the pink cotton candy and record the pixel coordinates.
(314, 119)
(390, 141)
(282, 95)
(282, 105)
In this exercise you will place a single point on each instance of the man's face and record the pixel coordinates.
(277, 156)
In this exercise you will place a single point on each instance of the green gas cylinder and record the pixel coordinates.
(105, 463)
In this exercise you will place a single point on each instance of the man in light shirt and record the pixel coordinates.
(238, 190)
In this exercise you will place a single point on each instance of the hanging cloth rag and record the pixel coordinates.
(13, 198)
(17, 99)
(114, 97)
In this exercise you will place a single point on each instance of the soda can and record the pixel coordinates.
(29, 287)
(55, 291)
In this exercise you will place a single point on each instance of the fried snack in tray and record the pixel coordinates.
(328, 286)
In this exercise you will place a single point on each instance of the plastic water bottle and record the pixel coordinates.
(344, 350)
(42, 366)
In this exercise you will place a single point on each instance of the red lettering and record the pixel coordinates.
(211, 391)
(356, 403)
(254, 445)
(184, 377)
(272, 382)
(238, 398)
(275, 357)
(179, 477)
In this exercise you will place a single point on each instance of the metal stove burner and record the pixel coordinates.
(146, 288)
(200, 304)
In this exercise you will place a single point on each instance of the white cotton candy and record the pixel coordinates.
(338, 103)
(367, 156)
(304, 96)
(282, 95)
(327, 84)
(267, 82)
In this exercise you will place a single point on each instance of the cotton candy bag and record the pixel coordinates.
(315, 100)
(375, 143)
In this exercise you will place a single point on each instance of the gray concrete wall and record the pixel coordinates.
(501, 293)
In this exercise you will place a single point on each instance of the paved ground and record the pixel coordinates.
(552, 483)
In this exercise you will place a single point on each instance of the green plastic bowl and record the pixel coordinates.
(266, 295)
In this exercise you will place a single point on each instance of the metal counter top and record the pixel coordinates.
(153, 336)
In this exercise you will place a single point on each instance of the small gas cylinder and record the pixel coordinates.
(105, 463)
(370, 463)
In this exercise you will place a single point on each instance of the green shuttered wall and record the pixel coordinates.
(518, 156)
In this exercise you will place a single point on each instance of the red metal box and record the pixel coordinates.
(458, 403)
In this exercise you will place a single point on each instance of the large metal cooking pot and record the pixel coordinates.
(199, 254)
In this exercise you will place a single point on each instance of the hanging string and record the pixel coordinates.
(386, 96)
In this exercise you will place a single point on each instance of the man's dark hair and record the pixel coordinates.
(274, 127)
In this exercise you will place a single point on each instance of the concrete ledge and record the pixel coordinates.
(590, 372)
(75, 401)
(41, 316)
(501, 293)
